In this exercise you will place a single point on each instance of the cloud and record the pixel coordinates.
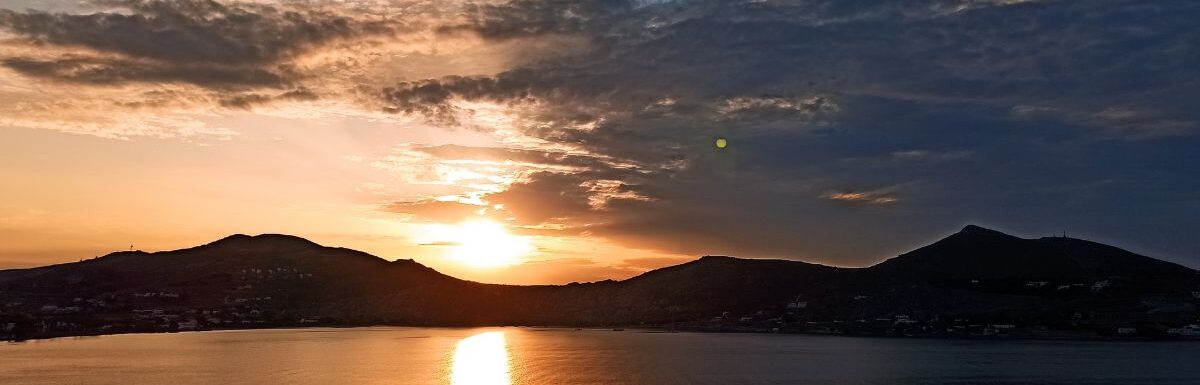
(966, 109)
(1118, 121)
(523, 18)
(437, 211)
(191, 57)
(205, 43)
(252, 99)
(434, 97)
(106, 71)
(532, 158)
(774, 107)
(946, 51)
(867, 197)
(929, 155)
(441, 243)
(816, 96)
(545, 197)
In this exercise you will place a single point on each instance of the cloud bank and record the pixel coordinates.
(856, 128)
(876, 120)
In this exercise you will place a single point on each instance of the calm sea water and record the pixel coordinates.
(525, 356)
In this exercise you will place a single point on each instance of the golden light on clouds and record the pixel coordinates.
(382, 125)
(869, 197)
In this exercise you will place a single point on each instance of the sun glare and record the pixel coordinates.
(486, 244)
(481, 359)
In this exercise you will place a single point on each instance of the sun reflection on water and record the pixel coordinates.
(481, 359)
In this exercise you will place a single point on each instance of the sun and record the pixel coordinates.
(486, 244)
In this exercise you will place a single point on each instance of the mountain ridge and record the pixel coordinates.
(274, 279)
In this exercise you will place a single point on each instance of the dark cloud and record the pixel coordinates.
(1041, 55)
(206, 43)
(1029, 115)
(546, 197)
(433, 97)
(522, 18)
(193, 31)
(857, 129)
(249, 100)
(107, 71)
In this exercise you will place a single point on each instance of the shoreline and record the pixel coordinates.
(646, 329)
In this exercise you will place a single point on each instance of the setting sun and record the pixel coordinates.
(484, 244)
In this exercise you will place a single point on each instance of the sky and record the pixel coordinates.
(550, 141)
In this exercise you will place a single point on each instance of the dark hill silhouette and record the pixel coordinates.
(699, 289)
(280, 280)
(977, 253)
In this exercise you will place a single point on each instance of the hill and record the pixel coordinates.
(974, 277)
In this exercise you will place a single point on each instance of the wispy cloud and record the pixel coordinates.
(868, 197)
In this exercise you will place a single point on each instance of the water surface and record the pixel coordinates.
(527, 356)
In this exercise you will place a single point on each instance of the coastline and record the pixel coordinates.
(646, 329)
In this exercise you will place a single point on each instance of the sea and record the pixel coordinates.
(564, 356)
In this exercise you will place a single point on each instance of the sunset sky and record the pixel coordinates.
(549, 141)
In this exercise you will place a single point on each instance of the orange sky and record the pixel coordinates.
(575, 141)
(87, 169)
(68, 196)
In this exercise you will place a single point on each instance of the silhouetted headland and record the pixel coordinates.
(974, 283)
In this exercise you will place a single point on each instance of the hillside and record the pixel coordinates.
(979, 253)
(978, 275)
